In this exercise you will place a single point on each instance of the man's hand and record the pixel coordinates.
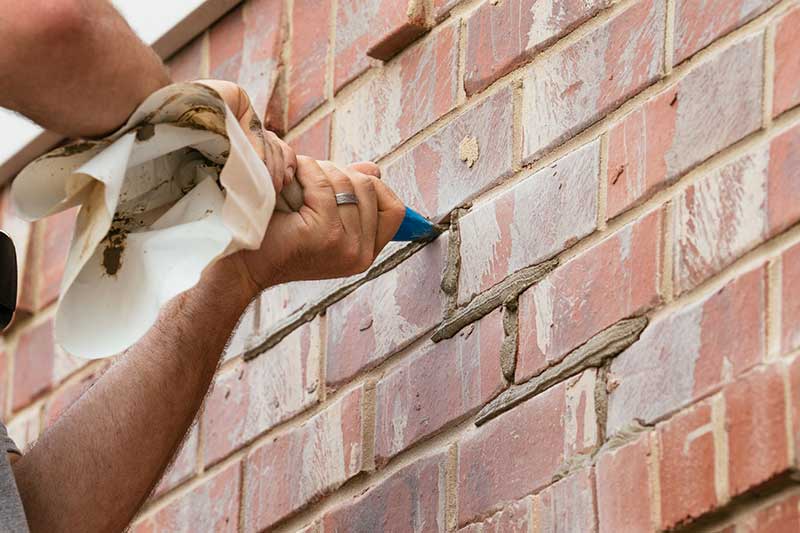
(278, 156)
(325, 240)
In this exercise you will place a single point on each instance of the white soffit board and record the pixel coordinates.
(166, 25)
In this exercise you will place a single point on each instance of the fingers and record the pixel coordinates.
(349, 213)
(368, 168)
(391, 212)
(318, 195)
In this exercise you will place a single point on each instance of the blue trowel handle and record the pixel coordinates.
(415, 227)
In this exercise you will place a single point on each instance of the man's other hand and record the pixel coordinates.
(276, 154)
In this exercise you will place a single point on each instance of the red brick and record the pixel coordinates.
(755, 417)
(559, 202)
(781, 516)
(417, 399)
(716, 104)
(376, 28)
(790, 304)
(254, 396)
(386, 314)
(437, 175)
(686, 466)
(39, 365)
(570, 90)
(794, 398)
(212, 505)
(698, 24)
(441, 8)
(612, 280)
(246, 335)
(45, 266)
(520, 451)
(311, 20)
(567, 505)
(787, 63)
(183, 467)
(690, 353)
(4, 382)
(245, 47)
(411, 500)
(719, 218)
(784, 181)
(295, 468)
(503, 35)
(399, 100)
(623, 487)
(20, 232)
(315, 141)
(188, 63)
(516, 518)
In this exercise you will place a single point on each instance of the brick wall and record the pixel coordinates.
(608, 337)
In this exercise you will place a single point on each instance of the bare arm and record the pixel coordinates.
(97, 465)
(73, 66)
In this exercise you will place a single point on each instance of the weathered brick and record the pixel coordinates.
(4, 381)
(716, 104)
(211, 506)
(39, 364)
(624, 500)
(411, 500)
(252, 397)
(245, 47)
(400, 100)
(311, 20)
(519, 452)
(794, 399)
(375, 28)
(567, 505)
(574, 88)
(698, 24)
(515, 518)
(534, 220)
(686, 465)
(441, 8)
(386, 314)
(503, 35)
(612, 280)
(297, 467)
(787, 63)
(49, 249)
(184, 465)
(315, 141)
(719, 218)
(779, 516)
(458, 162)
(755, 417)
(246, 335)
(416, 399)
(790, 304)
(689, 353)
(783, 199)
(189, 62)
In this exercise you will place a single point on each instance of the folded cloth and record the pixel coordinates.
(175, 189)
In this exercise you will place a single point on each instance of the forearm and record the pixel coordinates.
(74, 66)
(97, 465)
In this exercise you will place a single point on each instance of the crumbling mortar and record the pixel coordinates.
(488, 301)
(510, 346)
(601, 400)
(591, 354)
(453, 263)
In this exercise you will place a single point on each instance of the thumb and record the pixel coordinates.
(367, 167)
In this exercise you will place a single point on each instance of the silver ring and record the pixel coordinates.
(344, 198)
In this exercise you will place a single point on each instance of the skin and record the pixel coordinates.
(97, 465)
